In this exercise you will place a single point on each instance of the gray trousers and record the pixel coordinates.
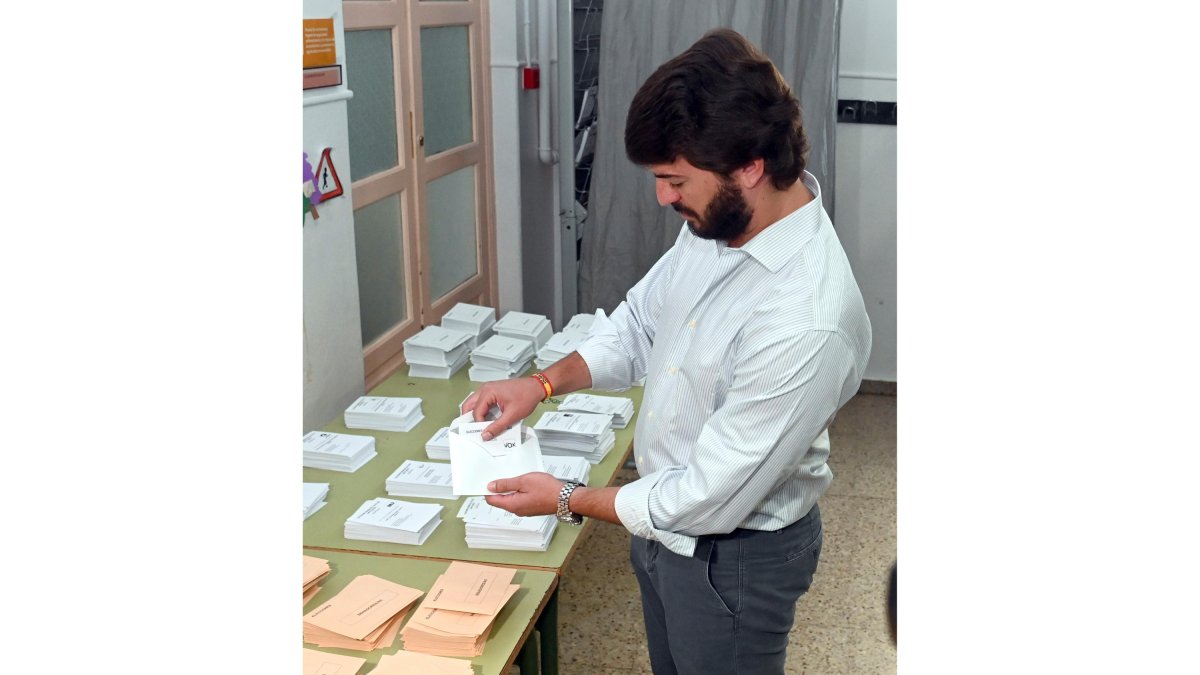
(726, 610)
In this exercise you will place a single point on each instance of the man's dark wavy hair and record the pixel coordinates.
(720, 105)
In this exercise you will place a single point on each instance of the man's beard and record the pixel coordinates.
(726, 217)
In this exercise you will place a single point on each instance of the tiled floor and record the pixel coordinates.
(840, 624)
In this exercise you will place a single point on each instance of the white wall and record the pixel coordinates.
(505, 22)
(865, 198)
(333, 367)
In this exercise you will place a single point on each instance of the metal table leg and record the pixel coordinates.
(527, 658)
(547, 627)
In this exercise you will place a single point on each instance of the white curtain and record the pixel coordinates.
(626, 230)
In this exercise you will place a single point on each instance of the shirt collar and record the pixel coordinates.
(777, 242)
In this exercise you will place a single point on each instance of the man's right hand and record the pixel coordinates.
(517, 399)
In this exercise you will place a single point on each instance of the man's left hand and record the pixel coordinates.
(531, 494)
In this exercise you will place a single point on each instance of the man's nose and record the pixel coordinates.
(666, 194)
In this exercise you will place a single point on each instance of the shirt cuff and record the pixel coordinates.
(632, 505)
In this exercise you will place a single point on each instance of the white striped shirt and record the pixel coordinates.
(748, 353)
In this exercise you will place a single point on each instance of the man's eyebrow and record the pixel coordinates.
(667, 175)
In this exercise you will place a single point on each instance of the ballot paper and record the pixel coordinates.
(580, 323)
(435, 629)
(580, 434)
(337, 452)
(535, 328)
(420, 479)
(317, 662)
(384, 413)
(568, 468)
(436, 346)
(475, 462)
(438, 446)
(500, 352)
(558, 347)
(365, 615)
(620, 407)
(405, 662)
(392, 520)
(439, 372)
(475, 320)
(314, 497)
(315, 569)
(494, 528)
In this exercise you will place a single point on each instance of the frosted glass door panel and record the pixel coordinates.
(446, 87)
(452, 224)
(379, 248)
(371, 112)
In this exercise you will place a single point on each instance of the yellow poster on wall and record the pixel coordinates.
(320, 48)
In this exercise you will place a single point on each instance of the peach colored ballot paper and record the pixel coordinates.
(466, 587)
(407, 663)
(458, 623)
(362, 606)
(320, 663)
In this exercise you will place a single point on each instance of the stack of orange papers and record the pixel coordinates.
(456, 615)
(407, 663)
(322, 663)
(365, 615)
(315, 569)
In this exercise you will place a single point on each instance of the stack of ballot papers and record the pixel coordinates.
(365, 615)
(315, 569)
(568, 468)
(575, 434)
(457, 614)
(475, 320)
(314, 497)
(500, 358)
(384, 413)
(337, 452)
(420, 479)
(317, 662)
(437, 352)
(558, 346)
(534, 328)
(413, 663)
(475, 462)
(392, 520)
(620, 407)
(580, 323)
(491, 527)
(438, 447)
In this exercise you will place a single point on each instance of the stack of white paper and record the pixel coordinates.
(314, 497)
(500, 358)
(337, 452)
(580, 323)
(568, 468)
(620, 407)
(437, 352)
(558, 346)
(475, 320)
(438, 447)
(576, 434)
(475, 462)
(491, 527)
(534, 328)
(420, 479)
(392, 520)
(384, 413)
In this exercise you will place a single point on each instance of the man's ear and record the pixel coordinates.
(751, 175)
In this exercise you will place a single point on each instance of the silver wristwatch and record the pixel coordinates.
(564, 498)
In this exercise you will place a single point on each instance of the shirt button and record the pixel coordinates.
(642, 458)
(673, 370)
(692, 324)
(650, 414)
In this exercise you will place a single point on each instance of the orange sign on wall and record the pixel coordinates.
(320, 49)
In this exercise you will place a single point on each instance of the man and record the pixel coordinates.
(751, 333)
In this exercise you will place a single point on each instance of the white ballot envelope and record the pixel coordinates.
(475, 462)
